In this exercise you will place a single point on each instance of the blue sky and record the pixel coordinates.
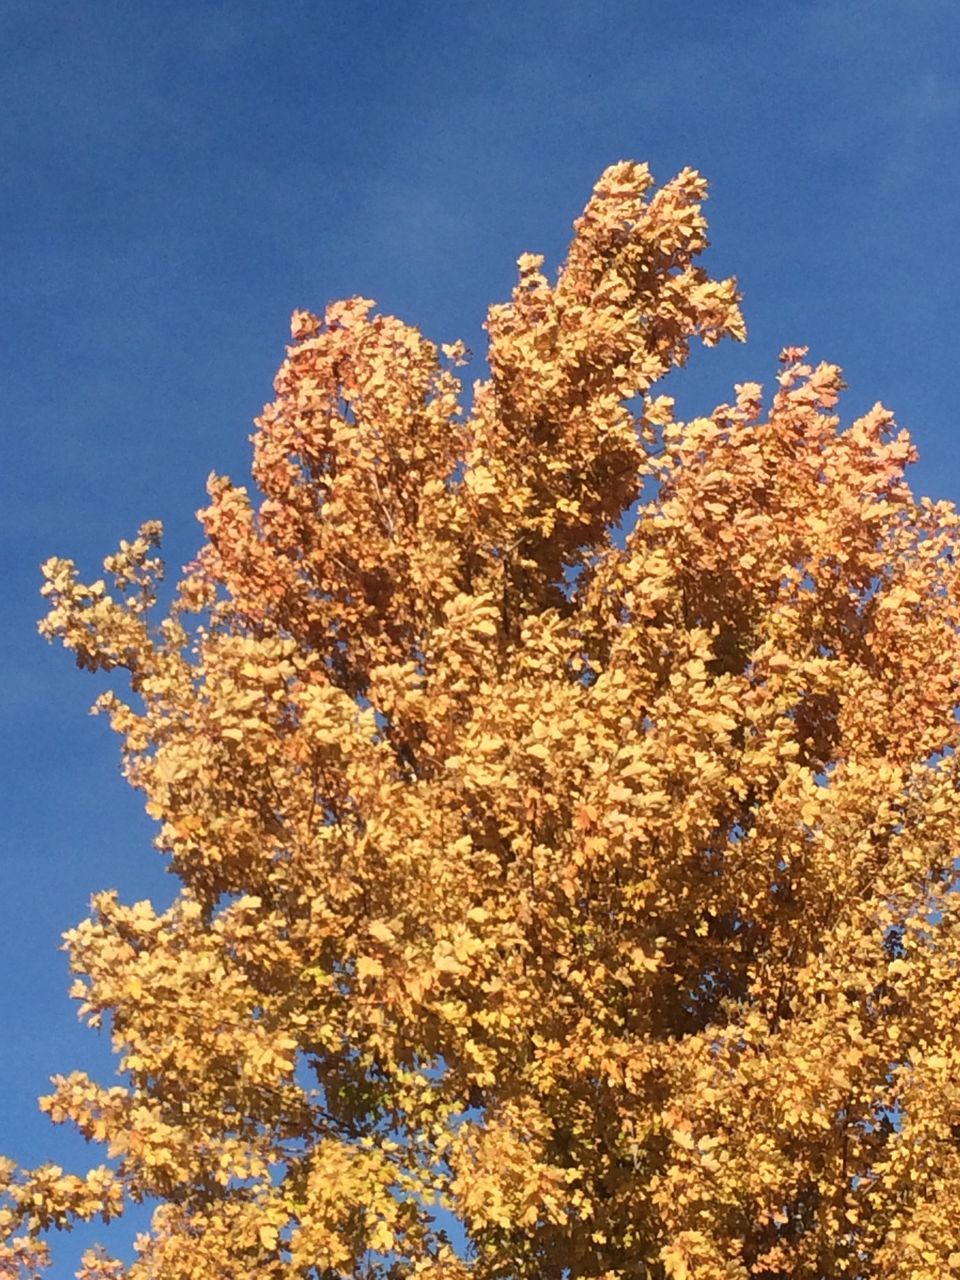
(179, 176)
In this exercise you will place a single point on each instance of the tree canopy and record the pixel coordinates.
(563, 802)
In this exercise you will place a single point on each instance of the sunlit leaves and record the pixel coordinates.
(597, 889)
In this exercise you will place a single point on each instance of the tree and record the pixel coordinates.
(563, 803)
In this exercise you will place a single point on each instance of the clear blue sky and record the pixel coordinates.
(178, 176)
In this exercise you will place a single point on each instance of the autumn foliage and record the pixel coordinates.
(563, 800)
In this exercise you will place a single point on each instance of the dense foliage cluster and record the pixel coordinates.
(563, 800)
